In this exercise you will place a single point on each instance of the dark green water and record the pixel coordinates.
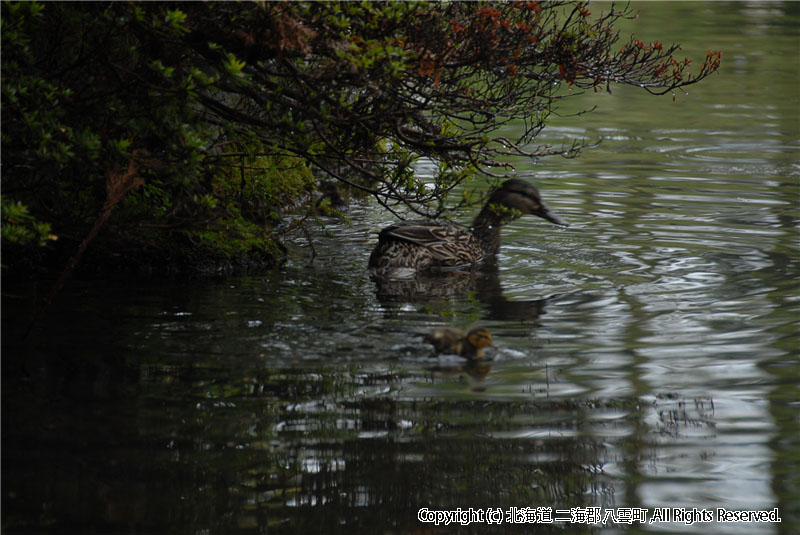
(647, 357)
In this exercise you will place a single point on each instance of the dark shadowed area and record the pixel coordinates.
(646, 357)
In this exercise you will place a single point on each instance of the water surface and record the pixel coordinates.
(647, 356)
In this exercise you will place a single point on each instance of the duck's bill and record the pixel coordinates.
(550, 216)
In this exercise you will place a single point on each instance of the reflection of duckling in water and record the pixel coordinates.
(455, 341)
(474, 371)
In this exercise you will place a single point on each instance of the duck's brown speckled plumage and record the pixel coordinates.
(423, 245)
(409, 247)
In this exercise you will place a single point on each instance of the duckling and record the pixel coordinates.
(468, 345)
(408, 247)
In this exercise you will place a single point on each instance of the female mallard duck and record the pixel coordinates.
(451, 340)
(408, 247)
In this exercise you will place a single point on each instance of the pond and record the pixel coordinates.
(646, 371)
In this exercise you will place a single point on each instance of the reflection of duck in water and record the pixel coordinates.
(469, 345)
(394, 293)
(409, 247)
(474, 371)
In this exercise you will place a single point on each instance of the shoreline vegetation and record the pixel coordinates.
(188, 138)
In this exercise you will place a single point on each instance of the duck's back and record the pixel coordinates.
(447, 340)
(409, 246)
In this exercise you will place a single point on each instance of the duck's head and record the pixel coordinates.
(479, 337)
(517, 195)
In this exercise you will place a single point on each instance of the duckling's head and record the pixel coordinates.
(520, 195)
(479, 337)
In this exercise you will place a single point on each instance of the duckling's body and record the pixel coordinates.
(408, 247)
(457, 342)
